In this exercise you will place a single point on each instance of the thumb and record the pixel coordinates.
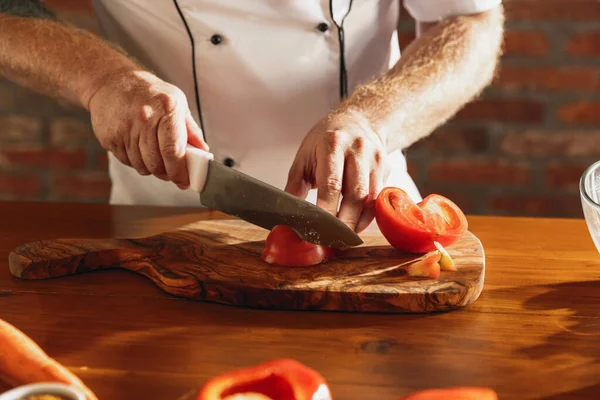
(296, 184)
(195, 137)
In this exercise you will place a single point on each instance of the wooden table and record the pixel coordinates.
(533, 334)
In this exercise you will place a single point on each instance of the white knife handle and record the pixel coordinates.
(197, 165)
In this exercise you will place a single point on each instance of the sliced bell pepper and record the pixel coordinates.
(280, 379)
(454, 393)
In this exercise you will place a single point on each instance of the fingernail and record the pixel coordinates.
(183, 187)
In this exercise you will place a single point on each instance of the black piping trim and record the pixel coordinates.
(341, 38)
(189, 32)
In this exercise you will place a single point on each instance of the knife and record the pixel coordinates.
(234, 193)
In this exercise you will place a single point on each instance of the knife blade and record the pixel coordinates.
(240, 195)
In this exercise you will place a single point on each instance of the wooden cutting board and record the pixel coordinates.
(219, 261)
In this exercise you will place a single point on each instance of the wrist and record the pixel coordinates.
(123, 78)
(361, 116)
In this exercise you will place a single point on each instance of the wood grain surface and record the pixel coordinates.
(533, 334)
(219, 261)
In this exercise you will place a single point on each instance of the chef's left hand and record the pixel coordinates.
(341, 155)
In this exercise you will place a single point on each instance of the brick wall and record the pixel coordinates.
(517, 150)
(521, 148)
(47, 149)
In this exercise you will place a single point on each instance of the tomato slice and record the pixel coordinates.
(414, 227)
(454, 393)
(285, 248)
(427, 267)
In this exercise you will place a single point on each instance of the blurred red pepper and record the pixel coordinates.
(454, 393)
(280, 379)
(286, 379)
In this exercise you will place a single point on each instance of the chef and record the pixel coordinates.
(310, 96)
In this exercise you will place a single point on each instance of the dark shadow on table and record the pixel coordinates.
(580, 331)
(586, 393)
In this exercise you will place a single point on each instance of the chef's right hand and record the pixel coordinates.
(146, 123)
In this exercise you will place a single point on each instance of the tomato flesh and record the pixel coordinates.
(414, 227)
(427, 267)
(285, 248)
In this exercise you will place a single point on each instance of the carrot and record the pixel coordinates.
(22, 361)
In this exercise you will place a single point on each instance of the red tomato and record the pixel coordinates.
(414, 227)
(285, 248)
(454, 393)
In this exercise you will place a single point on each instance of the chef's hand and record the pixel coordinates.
(341, 155)
(146, 123)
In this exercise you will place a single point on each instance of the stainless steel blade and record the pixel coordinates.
(259, 203)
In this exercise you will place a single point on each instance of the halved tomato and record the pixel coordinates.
(414, 227)
(285, 248)
(454, 393)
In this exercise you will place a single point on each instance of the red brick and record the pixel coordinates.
(479, 172)
(19, 186)
(526, 43)
(538, 205)
(71, 132)
(86, 186)
(564, 175)
(502, 110)
(413, 169)
(40, 157)
(69, 5)
(405, 38)
(584, 44)
(552, 10)
(102, 161)
(404, 15)
(19, 130)
(540, 143)
(585, 112)
(33, 103)
(77, 12)
(7, 97)
(552, 78)
(454, 140)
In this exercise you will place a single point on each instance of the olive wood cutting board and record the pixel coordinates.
(219, 261)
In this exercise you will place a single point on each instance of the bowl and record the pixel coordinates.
(589, 191)
(61, 391)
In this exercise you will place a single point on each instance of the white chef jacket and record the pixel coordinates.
(258, 74)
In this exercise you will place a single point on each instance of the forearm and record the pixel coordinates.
(444, 68)
(54, 58)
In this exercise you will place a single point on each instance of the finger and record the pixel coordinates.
(121, 155)
(296, 184)
(356, 189)
(376, 183)
(172, 139)
(150, 152)
(134, 154)
(329, 174)
(195, 136)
